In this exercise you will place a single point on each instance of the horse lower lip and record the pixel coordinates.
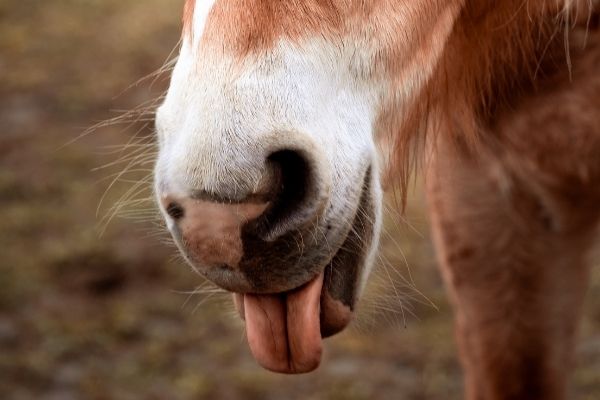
(238, 300)
(335, 315)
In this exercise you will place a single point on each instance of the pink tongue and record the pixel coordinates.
(284, 331)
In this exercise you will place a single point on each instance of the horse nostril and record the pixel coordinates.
(291, 195)
(175, 210)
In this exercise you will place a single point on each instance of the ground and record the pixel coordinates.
(97, 309)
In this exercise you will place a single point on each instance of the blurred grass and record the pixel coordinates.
(84, 315)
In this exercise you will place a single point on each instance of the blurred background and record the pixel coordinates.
(94, 301)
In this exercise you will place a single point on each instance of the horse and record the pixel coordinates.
(285, 120)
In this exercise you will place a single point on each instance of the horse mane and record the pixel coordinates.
(497, 52)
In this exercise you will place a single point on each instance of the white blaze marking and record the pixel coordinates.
(201, 12)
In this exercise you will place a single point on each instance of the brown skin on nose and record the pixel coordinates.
(211, 232)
